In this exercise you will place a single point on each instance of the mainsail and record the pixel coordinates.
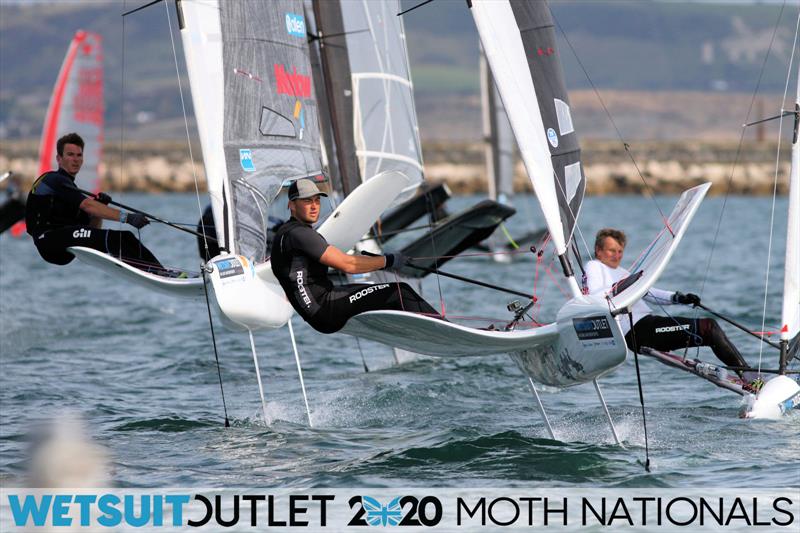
(519, 41)
(373, 109)
(791, 284)
(249, 65)
(76, 105)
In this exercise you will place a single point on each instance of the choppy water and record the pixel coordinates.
(139, 367)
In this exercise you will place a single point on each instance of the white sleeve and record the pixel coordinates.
(595, 281)
(659, 296)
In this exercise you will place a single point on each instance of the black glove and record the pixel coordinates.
(395, 261)
(103, 198)
(686, 299)
(137, 220)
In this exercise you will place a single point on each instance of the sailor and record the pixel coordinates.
(300, 261)
(658, 332)
(58, 215)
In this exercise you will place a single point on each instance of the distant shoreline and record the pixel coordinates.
(667, 167)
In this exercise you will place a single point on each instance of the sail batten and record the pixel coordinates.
(374, 106)
(519, 41)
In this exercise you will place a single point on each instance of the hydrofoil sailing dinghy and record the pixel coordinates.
(585, 341)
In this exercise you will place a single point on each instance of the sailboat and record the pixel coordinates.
(76, 105)
(585, 341)
(780, 393)
(249, 70)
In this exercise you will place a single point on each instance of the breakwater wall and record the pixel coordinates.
(665, 167)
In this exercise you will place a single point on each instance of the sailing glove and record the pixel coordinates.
(137, 220)
(395, 261)
(103, 198)
(686, 299)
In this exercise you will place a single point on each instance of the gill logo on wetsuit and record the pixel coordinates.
(302, 289)
(82, 233)
(368, 290)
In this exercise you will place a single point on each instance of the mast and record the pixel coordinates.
(519, 40)
(336, 79)
(791, 281)
(497, 137)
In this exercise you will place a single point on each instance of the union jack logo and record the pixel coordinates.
(382, 515)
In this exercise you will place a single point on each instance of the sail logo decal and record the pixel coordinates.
(300, 115)
(545, 51)
(552, 137)
(592, 327)
(246, 160)
(294, 84)
(295, 25)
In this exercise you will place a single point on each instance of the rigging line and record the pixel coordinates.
(134, 10)
(775, 188)
(205, 236)
(641, 394)
(574, 216)
(431, 211)
(148, 215)
(122, 109)
(608, 113)
(363, 359)
(312, 37)
(214, 343)
(414, 7)
(739, 150)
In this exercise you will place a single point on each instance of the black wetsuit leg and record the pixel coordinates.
(53, 244)
(346, 301)
(677, 332)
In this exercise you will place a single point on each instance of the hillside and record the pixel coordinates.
(637, 46)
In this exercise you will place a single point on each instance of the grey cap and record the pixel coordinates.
(304, 188)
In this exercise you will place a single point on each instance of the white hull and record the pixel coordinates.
(777, 397)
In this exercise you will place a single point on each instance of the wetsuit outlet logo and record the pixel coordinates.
(369, 290)
(302, 289)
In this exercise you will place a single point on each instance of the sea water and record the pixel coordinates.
(139, 368)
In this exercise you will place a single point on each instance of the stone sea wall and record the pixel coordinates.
(665, 167)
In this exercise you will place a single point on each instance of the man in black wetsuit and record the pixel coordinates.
(300, 261)
(58, 215)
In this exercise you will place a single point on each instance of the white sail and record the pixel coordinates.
(385, 120)
(502, 43)
(201, 33)
(791, 284)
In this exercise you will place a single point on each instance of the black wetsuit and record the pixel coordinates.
(668, 333)
(296, 251)
(56, 221)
